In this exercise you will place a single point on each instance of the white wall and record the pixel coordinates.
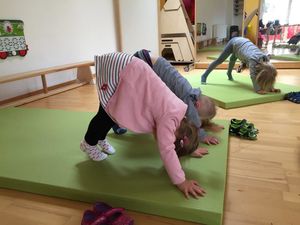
(139, 25)
(216, 12)
(57, 32)
(231, 18)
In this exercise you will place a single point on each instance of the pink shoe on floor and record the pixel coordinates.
(104, 214)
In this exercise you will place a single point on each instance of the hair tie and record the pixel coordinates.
(181, 143)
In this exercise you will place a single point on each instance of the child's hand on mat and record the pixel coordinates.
(275, 90)
(191, 187)
(215, 127)
(210, 140)
(199, 152)
(261, 92)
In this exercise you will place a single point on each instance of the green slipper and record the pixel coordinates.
(249, 134)
(243, 129)
(235, 125)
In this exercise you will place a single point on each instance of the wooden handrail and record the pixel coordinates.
(36, 73)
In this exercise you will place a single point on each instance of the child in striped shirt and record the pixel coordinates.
(127, 88)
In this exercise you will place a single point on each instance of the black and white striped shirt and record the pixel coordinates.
(108, 68)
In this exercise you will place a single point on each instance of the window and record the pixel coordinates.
(294, 17)
(286, 11)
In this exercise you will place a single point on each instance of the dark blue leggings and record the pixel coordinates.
(228, 50)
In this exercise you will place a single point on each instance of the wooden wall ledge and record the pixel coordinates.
(278, 65)
(84, 76)
(36, 73)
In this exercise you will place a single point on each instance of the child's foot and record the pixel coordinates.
(203, 80)
(106, 147)
(230, 77)
(119, 130)
(92, 151)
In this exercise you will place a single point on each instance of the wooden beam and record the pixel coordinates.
(41, 95)
(204, 65)
(278, 65)
(35, 73)
(84, 74)
(286, 65)
(44, 83)
(118, 28)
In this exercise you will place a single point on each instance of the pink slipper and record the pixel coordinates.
(104, 214)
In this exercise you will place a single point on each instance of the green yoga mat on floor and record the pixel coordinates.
(214, 57)
(212, 48)
(39, 153)
(238, 93)
(287, 57)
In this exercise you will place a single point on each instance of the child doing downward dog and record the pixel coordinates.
(262, 72)
(132, 95)
(200, 107)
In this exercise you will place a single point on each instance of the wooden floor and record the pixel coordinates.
(263, 183)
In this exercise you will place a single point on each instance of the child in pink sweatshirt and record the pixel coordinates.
(133, 96)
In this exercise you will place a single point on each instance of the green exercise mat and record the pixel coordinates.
(286, 57)
(238, 93)
(212, 48)
(214, 57)
(39, 153)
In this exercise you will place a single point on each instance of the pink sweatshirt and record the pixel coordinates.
(142, 103)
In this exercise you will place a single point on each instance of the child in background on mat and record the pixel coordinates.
(128, 89)
(200, 107)
(262, 72)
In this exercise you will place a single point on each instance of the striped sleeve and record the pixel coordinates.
(108, 68)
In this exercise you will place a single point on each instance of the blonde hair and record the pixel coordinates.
(187, 139)
(205, 123)
(266, 75)
(207, 109)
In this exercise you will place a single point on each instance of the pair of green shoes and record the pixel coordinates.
(243, 129)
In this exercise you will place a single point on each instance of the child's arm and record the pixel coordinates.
(262, 92)
(275, 90)
(193, 116)
(165, 133)
(191, 187)
(207, 139)
(253, 72)
(199, 152)
(211, 126)
(231, 64)
(257, 88)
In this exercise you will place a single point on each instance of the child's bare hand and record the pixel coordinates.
(275, 90)
(199, 152)
(191, 187)
(261, 92)
(215, 127)
(210, 140)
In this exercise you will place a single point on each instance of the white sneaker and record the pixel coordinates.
(106, 147)
(92, 151)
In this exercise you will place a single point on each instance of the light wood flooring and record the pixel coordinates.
(263, 182)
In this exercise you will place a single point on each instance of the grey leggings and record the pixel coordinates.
(228, 50)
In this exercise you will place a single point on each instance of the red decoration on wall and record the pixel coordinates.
(12, 39)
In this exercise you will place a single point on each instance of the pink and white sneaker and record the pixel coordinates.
(92, 151)
(106, 147)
